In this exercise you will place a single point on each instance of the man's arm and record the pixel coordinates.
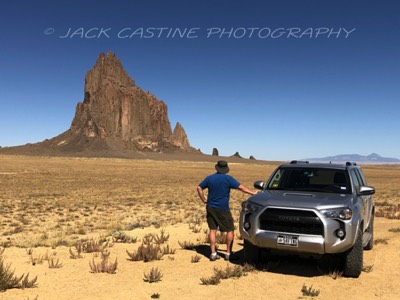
(201, 195)
(246, 190)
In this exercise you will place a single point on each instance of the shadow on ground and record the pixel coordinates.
(287, 264)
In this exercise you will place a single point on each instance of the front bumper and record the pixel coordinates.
(325, 242)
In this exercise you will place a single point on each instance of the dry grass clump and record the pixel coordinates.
(8, 280)
(54, 264)
(77, 253)
(104, 265)
(195, 259)
(187, 245)
(309, 291)
(381, 241)
(336, 274)
(154, 275)
(394, 229)
(388, 210)
(368, 269)
(228, 272)
(92, 246)
(122, 237)
(146, 253)
(166, 250)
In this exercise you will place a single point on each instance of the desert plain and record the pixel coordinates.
(61, 217)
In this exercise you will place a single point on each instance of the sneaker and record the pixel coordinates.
(231, 256)
(214, 257)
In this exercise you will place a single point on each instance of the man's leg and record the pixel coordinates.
(229, 241)
(213, 242)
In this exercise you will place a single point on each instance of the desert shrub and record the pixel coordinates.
(389, 211)
(248, 268)
(195, 228)
(162, 238)
(309, 291)
(335, 274)
(155, 296)
(187, 245)
(394, 229)
(196, 258)
(122, 237)
(54, 264)
(166, 250)
(9, 280)
(36, 259)
(213, 280)
(104, 266)
(368, 269)
(228, 272)
(146, 253)
(154, 275)
(196, 221)
(148, 239)
(92, 246)
(381, 241)
(76, 254)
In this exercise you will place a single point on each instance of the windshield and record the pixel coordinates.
(310, 179)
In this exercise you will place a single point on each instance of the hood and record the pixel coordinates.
(307, 200)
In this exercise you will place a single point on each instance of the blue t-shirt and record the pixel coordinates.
(219, 187)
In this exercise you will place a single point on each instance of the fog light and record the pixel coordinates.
(340, 233)
(246, 225)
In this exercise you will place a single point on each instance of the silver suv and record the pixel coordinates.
(311, 208)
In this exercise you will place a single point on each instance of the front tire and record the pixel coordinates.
(353, 259)
(251, 253)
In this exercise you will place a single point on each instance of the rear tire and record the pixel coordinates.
(353, 258)
(251, 253)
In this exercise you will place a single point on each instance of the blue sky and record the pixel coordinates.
(258, 90)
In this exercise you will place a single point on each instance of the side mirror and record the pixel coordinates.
(259, 185)
(366, 190)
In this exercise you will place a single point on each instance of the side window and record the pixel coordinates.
(274, 184)
(355, 179)
(361, 177)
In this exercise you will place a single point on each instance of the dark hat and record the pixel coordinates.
(222, 167)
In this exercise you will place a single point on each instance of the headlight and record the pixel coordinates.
(338, 213)
(249, 207)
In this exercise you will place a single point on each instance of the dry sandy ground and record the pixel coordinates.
(181, 278)
(282, 278)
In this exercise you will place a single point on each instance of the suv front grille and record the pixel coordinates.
(291, 221)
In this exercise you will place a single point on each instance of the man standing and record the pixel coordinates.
(218, 213)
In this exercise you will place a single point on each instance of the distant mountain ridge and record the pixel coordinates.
(372, 158)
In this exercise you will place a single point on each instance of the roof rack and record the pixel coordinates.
(293, 162)
(351, 163)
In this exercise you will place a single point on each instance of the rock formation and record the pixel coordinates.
(237, 155)
(118, 115)
(215, 152)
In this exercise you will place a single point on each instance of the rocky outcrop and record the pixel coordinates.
(215, 152)
(179, 137)
(116, 115)
(252, 157)
(237, 155)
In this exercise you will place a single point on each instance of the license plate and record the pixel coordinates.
(288, 240)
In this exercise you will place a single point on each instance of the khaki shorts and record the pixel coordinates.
(219, 219)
